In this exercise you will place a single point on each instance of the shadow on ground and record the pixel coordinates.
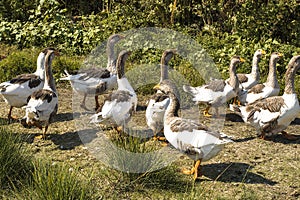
(234, 172)
(296, 122)
(70, 140)
(233, 117)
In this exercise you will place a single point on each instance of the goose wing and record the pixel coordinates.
(21, 85)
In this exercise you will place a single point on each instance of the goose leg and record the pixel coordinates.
(44, 132)
(82, 104)
(97, 102)
(119, 129)
(263, 136)
(206, 113)
(288, 136)
(160, 138)
(10, 117)
(194, 169)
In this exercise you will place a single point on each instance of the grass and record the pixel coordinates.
(247, 169)
(15, 160)
(24, 178)
(54, 182)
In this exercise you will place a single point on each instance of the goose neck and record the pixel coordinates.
(163, 72)
(255, 69)
(49, 80)
(40, 69)
(272, 76)
(110, 58)
(173, 108)
(233, 79)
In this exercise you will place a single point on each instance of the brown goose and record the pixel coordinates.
(96, 81)
(158, 103)
(43, 104)
(188, 136)
(272, 115)
(217, 92)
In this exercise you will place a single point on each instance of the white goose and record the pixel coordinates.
(16, 91)
(43, 104)
(188, 136)
(217, 92)
(96, 81)
(272, 115)
(269, 88)
(119, 105)
(247, 81)
(158, 102)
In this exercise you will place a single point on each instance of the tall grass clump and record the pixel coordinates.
(141, 164)
(16, 165)
(55, 182)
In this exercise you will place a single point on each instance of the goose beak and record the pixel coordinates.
(242, 60)
(156, 87)
(263, 52)
(280, 55)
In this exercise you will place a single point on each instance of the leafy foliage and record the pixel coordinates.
(224, 28)
(18, 62)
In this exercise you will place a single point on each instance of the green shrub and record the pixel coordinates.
(55, 182)
(16, 165)
(24, 61)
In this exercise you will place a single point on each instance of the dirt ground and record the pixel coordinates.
(266, 169)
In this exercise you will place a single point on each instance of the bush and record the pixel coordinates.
(24, 61)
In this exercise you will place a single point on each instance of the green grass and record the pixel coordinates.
(55, 182)
(14, 158)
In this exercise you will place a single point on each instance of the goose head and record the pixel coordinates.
(259, 53)
(235, 60)
(294, 65)
(112, 40)
(275, 56)
(167, 55)
(167, 87)
(115, 38)
(123, 55)
(165, 58)
(41, 62)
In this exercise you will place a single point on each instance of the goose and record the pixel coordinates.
(273, 115)
(158, 103)
(16, 91)
(96, 81)
(217, 92)
(269, 88)
(247, 81)
(120, 104)
(195, 139)
(43, 104)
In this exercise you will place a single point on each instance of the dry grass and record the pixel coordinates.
(250, 168)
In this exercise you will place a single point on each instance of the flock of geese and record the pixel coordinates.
(257, 103)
